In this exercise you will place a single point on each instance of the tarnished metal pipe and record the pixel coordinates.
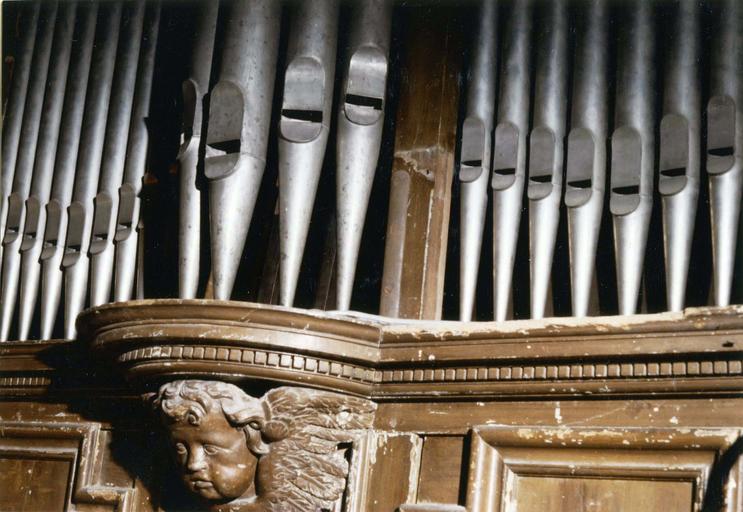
(633, 150)
(725, 143)
(237, 137)
(13, 114)
(114, 156)
(304, 126)
(64, 167)
(546, 148)
(80, 212)
(680, 140)
(24, 167)
(49, 129)
(586, 158)
(360, 122)
(476, 153)
(127, 219)
(509, 155)
(195, 88)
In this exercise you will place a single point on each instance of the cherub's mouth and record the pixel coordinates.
(200, 483)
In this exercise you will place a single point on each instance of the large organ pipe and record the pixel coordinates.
(13, 113)
(476, 153)
(304, 127)
(49, 129)
(680, 140)
(24, 167)
(586, 150)
(360, 122)
(114, 156)
(633, 151)
(127, 217)
(239, 117)
(80, 212)
(64, 167)
(546, 148)
(509, 155)
(725, 144)
(195, 88)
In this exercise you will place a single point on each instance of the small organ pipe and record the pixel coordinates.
(303, 129)
(476, 153)
(360, 122)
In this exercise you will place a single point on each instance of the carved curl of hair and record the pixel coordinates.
(190, 400)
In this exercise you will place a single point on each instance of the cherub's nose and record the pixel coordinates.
(196, 460)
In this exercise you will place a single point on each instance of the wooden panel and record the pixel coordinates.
(392, 472)
(539, 468)
(440, 474)
(30, 483)
(537, 494)
(420, 194)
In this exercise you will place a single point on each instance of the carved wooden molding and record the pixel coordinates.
(79, 443)
(699, 351)
(500, 455)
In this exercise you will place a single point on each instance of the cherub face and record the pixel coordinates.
(214, 458)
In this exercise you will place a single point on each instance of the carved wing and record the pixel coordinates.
(306, 467)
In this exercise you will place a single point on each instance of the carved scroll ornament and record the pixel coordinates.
(283, 452)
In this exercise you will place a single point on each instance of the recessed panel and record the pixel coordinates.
(540, 494)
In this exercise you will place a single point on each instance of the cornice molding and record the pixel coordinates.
(699, 351)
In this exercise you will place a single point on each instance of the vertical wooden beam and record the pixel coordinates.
(425, 138)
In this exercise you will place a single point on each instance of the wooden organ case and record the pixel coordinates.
(372, 256)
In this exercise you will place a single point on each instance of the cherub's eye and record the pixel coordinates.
(180, 448)
(210, 449)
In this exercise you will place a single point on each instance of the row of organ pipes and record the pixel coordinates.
(75, 145)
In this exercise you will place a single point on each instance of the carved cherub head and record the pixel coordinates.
(219, 435)
(215, 431)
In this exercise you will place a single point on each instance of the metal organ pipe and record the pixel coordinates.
(509, 155)
(360, 122)
(80, 212)
(29, 134)
(546, 148)
(64, 168)
(49, 130)
(724, 159)
(114, 157)
(680, 146)
(476, 153)
(303, 129)
(586, 150)
(239, 117)
(633, 150)
(126, 236)
(195, 88)
(13, 113)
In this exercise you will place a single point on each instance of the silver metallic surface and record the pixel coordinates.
(64, 167)
(114, 155)
(49, 129)
(194, 90)
(360, 122)
(633, 151)
(239, 118)
(32, 113)
(725, 144)
(80, 212)
(586, 150)
(127, 217)
(546, 151)
(476, 153)
(680, 141)
(13, 114)
(509, 154)
(304, 126)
